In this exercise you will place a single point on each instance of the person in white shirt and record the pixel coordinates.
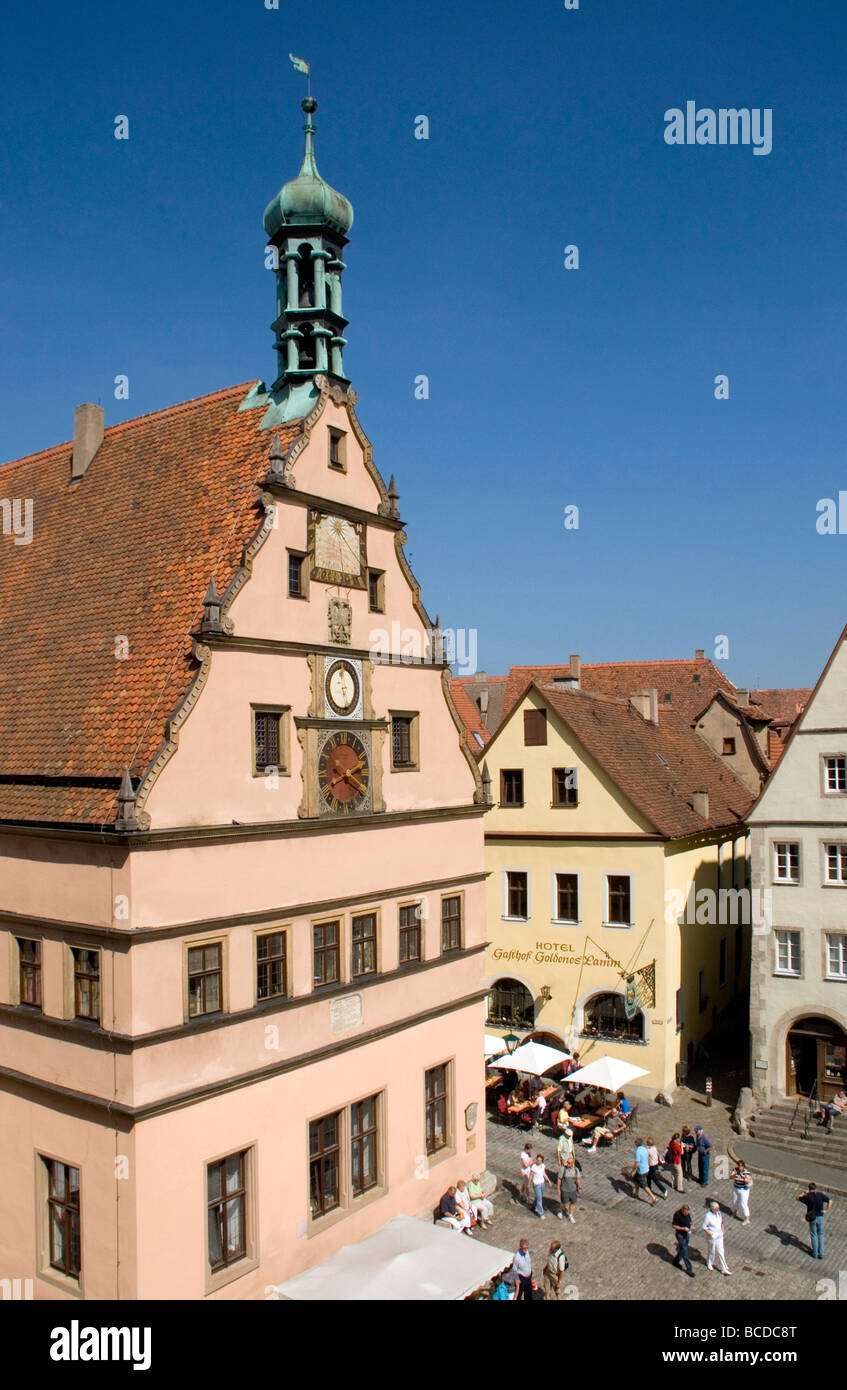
(713, 1226)
(526, 1164)
(463, 1200)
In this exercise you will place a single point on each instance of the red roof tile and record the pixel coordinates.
(168, 501)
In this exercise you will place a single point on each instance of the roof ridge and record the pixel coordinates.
(121, 425)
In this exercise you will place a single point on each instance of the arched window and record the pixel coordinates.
(306, 276)
(307, 345)
(605, 1018)
(510, 1002)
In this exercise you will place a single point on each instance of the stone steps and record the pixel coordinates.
(772, 1127)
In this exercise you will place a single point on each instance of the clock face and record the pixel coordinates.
(342, 687)
(344, 774)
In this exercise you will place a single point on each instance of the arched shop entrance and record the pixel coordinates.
(816, 1058)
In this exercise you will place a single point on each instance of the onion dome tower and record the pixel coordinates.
(307, 225)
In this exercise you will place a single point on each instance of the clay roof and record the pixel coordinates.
(781, 706)
(658, 767)
(689, 683)
(168, 501)
(469, 715)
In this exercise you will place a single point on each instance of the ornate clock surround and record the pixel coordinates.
(351, 542)
(324, 722)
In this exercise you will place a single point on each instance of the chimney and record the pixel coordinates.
(742, 698)
(646, 703)
(480, 676)
(700, 654)
(575, 667)
(88, 436)
(700, 802)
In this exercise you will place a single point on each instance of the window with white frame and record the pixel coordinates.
(619, 900)
(516, 892)
(835, 774)
(786, 862)
(835, 863)
(836, 956)
(787, 952)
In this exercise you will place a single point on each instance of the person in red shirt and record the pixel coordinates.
(675, 1152)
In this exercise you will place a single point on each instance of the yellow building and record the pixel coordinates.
(617, 862)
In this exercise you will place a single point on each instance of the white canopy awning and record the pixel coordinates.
(405, 1260)
(533, 1058)
(493, 1045)
(609, 1072)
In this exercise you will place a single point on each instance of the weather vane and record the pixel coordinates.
(301, 65)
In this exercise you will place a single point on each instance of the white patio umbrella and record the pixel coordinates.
(493, 1045)
(533, 1058)
(608, 1072)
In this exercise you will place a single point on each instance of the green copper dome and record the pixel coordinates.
(308, 200)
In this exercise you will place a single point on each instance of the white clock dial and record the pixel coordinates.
(342, 686)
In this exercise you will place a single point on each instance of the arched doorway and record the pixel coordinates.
(815, 1058)
(510, 1003)
(547, 1040)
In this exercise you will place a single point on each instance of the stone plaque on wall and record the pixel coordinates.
(345, 1013)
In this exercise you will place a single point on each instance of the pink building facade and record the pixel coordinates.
(242, 916)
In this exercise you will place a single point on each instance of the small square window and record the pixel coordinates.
(729, 747)
(511, 786)
(337, 450)
(270, 741)
(376, 591)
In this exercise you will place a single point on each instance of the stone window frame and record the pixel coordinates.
(69, 1284)
(448, 1149)
(284, 739)
(798, 974)
(825, 971)
(291, 552)
(348, 1202)
(824, 858)
(287, 934)
(618, 926)
(251, 1258)
(825, 790)
(785, 882)
(339, 436)
(414, 718)
(555, 920)
(189, 943)
(15, 999)
(516, 869)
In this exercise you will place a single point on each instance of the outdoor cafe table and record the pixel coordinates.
(530, 1104)
(585, 1122)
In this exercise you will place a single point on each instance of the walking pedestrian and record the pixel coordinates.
(526, 1164)
(654, 1170)
(522, 1266)
(569, 1190)
(539, 1176)
(689, 1147)
(674, 1156)
(681, 1221)
(704, 1154)
(817, 1204)
(564, 1153)
(554, 1270)
(742, 1181)
(713, 1226)
(641, 1174)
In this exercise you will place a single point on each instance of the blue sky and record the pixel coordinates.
(548, 387)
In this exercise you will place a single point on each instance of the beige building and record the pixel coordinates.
(798, 1003)
(613, 830)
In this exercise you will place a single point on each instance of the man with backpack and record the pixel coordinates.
(554, 1270)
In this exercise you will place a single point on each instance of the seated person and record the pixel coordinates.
(482, 1208)
(463, 1201)
(623, 1104)
(449, 1211)
(831, 1109)
(563, 1115)
(615, 1124)
(540, 1106)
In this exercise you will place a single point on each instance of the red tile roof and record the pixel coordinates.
(168, 501)
(469, 715)
(659, 767)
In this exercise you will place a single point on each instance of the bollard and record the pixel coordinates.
(708, 1090)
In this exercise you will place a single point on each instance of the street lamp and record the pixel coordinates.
(511, 1040)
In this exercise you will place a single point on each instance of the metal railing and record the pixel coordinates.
(809, 1102)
